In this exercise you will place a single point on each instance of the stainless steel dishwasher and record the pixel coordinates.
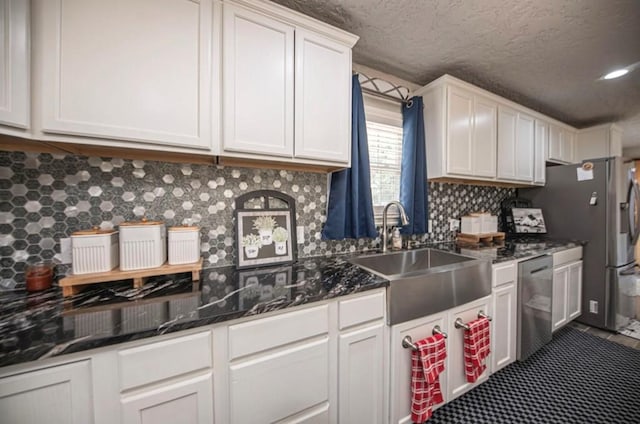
(535, 289)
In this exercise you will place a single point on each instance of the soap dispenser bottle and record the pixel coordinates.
(396, 239)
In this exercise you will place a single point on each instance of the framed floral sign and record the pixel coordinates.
(265, 232)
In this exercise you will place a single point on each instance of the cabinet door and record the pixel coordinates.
(554, 143)
(186, 402)
(360, 375)
(507, 125)
(503, 340)
(574, 291)
(322, 99)
(484, 137)
(524, 147)
(257, 83)
(459, 130)
(457, 380)
(559, 297)
(56, 395)
(567, 146)
(278, 384)
(400, 382)
(541, 140)
(128, 70)
(14, 72)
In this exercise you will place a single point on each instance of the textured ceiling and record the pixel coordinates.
(545, 54)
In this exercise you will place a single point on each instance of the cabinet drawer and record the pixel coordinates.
(170, 358)
(503, 274)
(268, 333)
(566, 256)
(362, 309)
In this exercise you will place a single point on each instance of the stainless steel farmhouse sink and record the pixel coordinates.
(427, 281)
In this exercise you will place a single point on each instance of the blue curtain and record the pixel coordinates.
(413, 173)
(350, 208)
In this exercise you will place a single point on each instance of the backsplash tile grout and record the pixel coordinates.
(45, 197)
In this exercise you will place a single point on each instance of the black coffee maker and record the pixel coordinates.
(506, 217)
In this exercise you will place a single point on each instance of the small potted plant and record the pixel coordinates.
(251, 244)
(265, 225)
(280, 237)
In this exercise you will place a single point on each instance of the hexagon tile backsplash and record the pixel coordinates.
(45, 197)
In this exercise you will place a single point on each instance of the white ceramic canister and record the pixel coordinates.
(142, 244)
(94, 250)
(184, 244)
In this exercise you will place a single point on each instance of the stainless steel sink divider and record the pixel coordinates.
(407, 342)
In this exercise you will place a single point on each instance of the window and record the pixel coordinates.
(384, 133)
(385, 151)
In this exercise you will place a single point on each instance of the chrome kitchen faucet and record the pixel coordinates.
(404, 220)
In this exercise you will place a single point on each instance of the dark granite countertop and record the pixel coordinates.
(512, 249)
(41, 325)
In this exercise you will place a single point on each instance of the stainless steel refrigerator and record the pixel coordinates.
(596, 202)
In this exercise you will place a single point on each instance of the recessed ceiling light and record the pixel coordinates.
(616, 74)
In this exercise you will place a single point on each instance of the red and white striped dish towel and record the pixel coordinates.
(477, 346)
(426, 365)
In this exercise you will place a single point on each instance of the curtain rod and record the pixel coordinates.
(383, 95)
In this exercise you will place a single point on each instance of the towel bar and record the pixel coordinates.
(460, 324)
(407, 342)
(481, 314)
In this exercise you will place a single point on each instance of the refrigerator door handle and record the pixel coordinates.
(633, 196)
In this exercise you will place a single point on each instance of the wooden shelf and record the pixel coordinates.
(74, 283)
(480, 238)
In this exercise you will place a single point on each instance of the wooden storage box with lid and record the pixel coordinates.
(94, 250)
(142, 244)
(184, 244)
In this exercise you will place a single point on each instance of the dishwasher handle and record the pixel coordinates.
(538, 270)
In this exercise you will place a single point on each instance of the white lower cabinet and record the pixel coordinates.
(574, 291)
(187, 401)
(400, 359)
(168, 381)
(559, 297)
(567, 294)
(361, 375)
(457, 383)
(317, 364)
(55, 395)
(503, 340)
(453, 381)
(278, 385)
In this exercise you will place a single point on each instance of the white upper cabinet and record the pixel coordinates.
(282, 102)
(515, 145)
(484, 136)
(562, 142)
(472, 134)
(598, 142)
(540, 154)
(507, 139)
(470, 125)
(323, 98)
(460, 129)
(14, 73)
(126, 70)
(257, 83)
